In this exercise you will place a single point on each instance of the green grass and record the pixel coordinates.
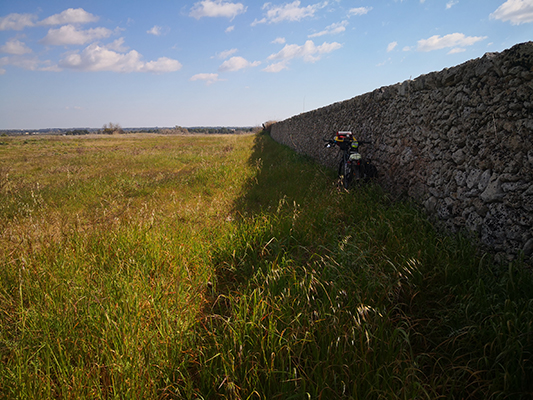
(232, 267)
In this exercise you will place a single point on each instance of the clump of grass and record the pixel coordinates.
(229, 266)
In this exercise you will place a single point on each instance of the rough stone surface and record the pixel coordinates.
(458, 141)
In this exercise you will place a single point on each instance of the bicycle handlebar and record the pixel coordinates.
(330, 142)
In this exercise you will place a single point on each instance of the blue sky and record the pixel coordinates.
(161, 63)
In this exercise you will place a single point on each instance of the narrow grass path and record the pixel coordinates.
(231, 267)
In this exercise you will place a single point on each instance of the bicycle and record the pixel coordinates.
(352, 165)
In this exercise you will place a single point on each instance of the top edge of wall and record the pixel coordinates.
(499, 62)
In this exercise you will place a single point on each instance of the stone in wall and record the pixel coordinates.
(458, 141)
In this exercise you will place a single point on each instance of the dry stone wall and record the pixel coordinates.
(458, 141)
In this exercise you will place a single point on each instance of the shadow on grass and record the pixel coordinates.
(266, 213)
(284, 207)
(281, 174)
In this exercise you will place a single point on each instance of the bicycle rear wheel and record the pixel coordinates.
(357, 172)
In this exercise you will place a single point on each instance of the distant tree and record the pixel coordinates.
(111, 128)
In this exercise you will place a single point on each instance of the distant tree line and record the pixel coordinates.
(113, 128)
(212, 130)
(76, 132)
(179, 130)
(107, 129)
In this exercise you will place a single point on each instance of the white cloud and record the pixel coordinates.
(332, 29)
(156, 30)
(279, 40)
(308, 51)
(101, 58)
(515, 11)
(225, 54)
(288, 12)
(17, 22)
(29, 63)
(70, 35)
(216, 8)
(16, 47)
(276, 67)
(451, 3)
(456, 50)
(381, 64)
(359, 11)
(209, 79)
(230, 29)
(160, 66)
(70, 16)
(391, 46)
(118, 45)
(452, 40)
(237, 63)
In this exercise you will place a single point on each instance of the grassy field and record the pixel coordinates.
(202, 267)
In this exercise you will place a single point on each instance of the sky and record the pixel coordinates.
(82, 64)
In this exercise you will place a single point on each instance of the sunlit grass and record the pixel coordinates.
(231, 267)
(106, 244)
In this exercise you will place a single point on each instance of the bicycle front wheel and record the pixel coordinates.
(345, 174)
